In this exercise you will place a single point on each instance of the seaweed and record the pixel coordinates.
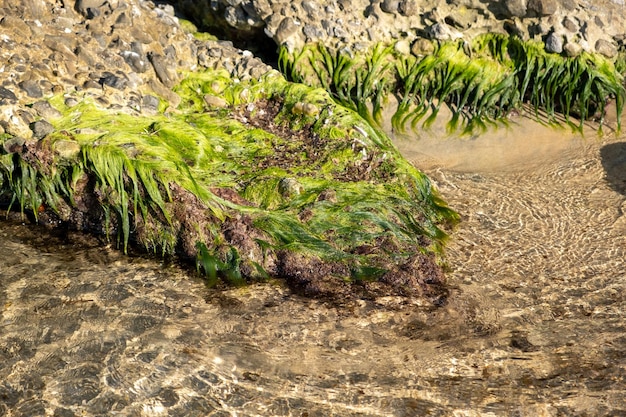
(282, 169)
(481, 82)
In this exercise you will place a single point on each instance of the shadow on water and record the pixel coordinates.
(614, 163)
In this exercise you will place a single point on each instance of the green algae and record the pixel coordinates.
(280, 169)
(480, 82)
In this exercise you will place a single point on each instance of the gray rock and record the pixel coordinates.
(26, 115)
(32, 88)
(5, 93)
(554, 43)
(13, 145)
(44, 109)
(71, 102)
(313, 32)
(570, 24)
(41, 129)
(515, 8)
(62, 44)
(443, 32)
(160, 65)
(214, 101)
(286, 29)
(12, 120)
(150, 104)
(462, 20)
(113, 80)
(605, 48)
(16, 25)
(237, 18)
(139, 63)
(403, 47)
(122, 21)
(389, 6)
(542, 7)
(262, 8)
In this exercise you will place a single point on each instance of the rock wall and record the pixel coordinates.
(126, 54)
(566, 26)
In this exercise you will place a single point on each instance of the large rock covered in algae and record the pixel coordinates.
(250, 180)
(120, 120)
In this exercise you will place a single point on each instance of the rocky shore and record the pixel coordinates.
(118, 121)
(121, 119)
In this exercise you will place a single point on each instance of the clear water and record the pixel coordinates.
(536, 325)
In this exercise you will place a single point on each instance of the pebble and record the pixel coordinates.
(554, 43)
(32, 88)
(41, 129)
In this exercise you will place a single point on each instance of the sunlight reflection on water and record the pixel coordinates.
(534, 327)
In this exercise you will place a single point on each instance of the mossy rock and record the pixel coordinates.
(279, 182)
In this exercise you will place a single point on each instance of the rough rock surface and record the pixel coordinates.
(590, 25)
(124, 54)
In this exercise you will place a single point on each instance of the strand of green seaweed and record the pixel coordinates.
(480, 84)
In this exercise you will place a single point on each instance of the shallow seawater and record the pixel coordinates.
(536, 325)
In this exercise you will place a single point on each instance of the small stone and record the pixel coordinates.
(45, 110)
(15, 122)
(137, 62)
(62, 44)
(554, 43)
(513, 28)
(32, 88)
(113, 80)
(14, 144)
(7, 94)
(572, 49)
(160, 65)
(307, 109)
(570, 24)
(92, 84)
(286, 29)
(542, 7)
(408, 8)
(16, 25)
(41, 129)
(214, 101)
(312, 32)
(310, 109)
(289, 187)
(71, 102)
(422, 47)
(122, 21)
(606, 48)
(67, 149)
(150, 104)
